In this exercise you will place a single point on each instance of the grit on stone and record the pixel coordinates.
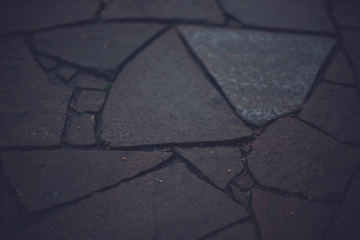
(90, 101)
(219, 164)
(295, 157)
(339, 70)
(81, 130)
(244, 231)
(288, 14)
(162, 97)
(289, 218)
(100, 46)
(351, 41)
(32, 111)
(336, 110)
(347, 14)
(165, 9)
(47, 178)
(264, 74)
(144, 209)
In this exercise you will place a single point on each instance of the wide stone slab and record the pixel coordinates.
(100, 46)
(347, 14)
(47, 178)
(162, 97)
(264, 74)
(340, 71)
(351, 41)
(180, 207)
(32, 111)
(295, 157)
(288, 14)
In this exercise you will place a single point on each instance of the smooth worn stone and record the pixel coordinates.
(90, 81)
(351, 41)
(287, 14)
(295, 157)
(167, 204)
(90, 101)
(219, 164)
(289, 218)
(243, 231)
(20, 15)
(66, 73)
(162, 97)
(336, 110)
(347, 14)
(165, 9)
(263, 74)
(32, 110)
(81, 130)
(340, 71)
(100, 46)
(47, 178)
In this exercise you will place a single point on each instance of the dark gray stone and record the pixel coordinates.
(48, 63)
(351, 40)
(336, 110)
(347, 14)
(289, 14)
(46, 178)
(32, 111)
(206, 10)
(289, 218)
(339, 70)
(9, 211)
(220, 164)
(90, 101)
(244, 231)
(96, 46)
(243, 196)
(81, 130)
(162, 97)
(90, 81)
(180, 207)
(244, 181)
(294, 157)
(264, 74)
(66, 73)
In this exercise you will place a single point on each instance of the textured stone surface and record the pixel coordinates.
(244, 231)
(244, 181)
(347, 14)
(162, 97)
(289, 14)
(289, 218)
(32, 110)
(220, 164)
(164, 9)
(47, 63)
(81, 130)
(46, 178)
(156, 207)
(96, 46)
(294, 157)
(8, 210)
(90, 81)
(339, 70)
(66, 73)
(336, 110)
(351, 40)
(264, 75)
(90, 101)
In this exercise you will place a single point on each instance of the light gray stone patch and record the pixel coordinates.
(81, 130)
(90, 101)
(340, 71)
(244, 231)
(347, 14)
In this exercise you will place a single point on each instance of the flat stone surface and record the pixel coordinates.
(339, 70)
(220, 164)
(155, 206)
(336, 110)
(66, 73)
(101, 46)
(347, 14)
(244, 181)
(16, 15)
(8, 209)
(81, 130)
(295, 157)
(46, 178)
(90, 81)
(48, 63)
(264, 74)
(90, 101)
(294, 14)
(33, 111)
(162, 97)
(244, 231)
(289, 218)
(243, 196)
(351, 41)
(165, 9)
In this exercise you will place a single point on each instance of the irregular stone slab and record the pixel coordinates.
(351, 40)
(347, 14)
(48, 63)
(244, 231)
(81, 130)
(244, 181)
(264, 75)
(336, 110)
(165, 9)
(90, 81)
(294, 157)
(32, 110)
(180, 207)
(90, 101)
(289, 218)
(66, 73)
(294, 14)
(339, 70)
(100, 46)
(162, 97)
(220, 164)
(46, 178)
(17, 15)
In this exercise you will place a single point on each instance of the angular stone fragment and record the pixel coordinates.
(66, 73)
(295, 157)
(48, 63)
(46, 178)
(264, 75)
(96, 46)
(162, 97)
(243, 196)
(289, 218)
(351, 40)
(81, 130)
(90, 81)
(289, 14)
(336, 110)
(32, 111)
(90, 101)
(347, 14)
(339, 70)
(244, 181)
(243, 231)
(180, 207)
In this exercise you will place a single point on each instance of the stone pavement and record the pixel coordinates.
(180, 119)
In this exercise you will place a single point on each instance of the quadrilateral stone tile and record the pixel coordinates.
(96, 46)
(46, 178)
(347, 14)
(340, 71)
(90, 81)
(180, 207)
(351, 41)
(264, 75)
(162, 97)
(90, 101)
(295, 157)
(81, 130)
(66, 73)
(244, 231)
